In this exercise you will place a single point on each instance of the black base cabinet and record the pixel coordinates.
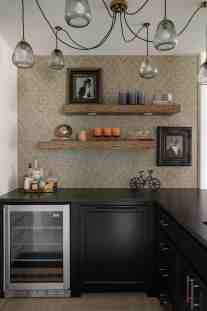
(180, 283)
(134, 247)
(117, 246)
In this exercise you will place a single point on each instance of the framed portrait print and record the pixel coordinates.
(84, 86)
(174, 146)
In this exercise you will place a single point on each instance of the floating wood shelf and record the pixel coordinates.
(93, 109)
(130, 145)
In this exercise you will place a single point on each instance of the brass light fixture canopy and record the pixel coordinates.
(118, 6)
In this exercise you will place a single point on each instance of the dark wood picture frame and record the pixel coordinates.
(166, 156)
(91, 75)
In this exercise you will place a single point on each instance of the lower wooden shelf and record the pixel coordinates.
(130, 145)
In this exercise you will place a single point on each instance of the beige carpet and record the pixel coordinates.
(91, 302)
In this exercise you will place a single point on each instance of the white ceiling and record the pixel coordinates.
(39, 35)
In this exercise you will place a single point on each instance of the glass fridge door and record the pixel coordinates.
(37, 245)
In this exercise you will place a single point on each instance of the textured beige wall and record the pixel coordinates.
(41, 94)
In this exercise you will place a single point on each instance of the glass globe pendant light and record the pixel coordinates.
(202, 78)
(23, 56)
(77, 13)
(166, 36)
(147, 69)
(56, 60)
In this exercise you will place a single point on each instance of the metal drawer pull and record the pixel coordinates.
(188, 298)
(164, 247)
(163, 269)
(165, 275)
(193, 286)
(163, 223)
(192, 294)
(164, 299)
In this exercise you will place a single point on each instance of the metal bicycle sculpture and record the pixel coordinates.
(142, 182)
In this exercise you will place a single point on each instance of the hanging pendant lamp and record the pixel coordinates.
(147, 69)
(166, 36)
(56, 60)
(77, 13)
(23, 56)
(202, 78)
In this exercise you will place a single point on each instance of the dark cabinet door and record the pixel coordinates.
(116, 248)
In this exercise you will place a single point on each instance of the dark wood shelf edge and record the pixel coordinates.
(130, 145)
(103, 109)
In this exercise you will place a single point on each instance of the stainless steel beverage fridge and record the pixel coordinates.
(37, 250)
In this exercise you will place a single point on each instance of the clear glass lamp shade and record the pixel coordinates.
(77, 13)
(166, 36)
(23, 56)
(202, 78)
(148, 70)
(56, 60)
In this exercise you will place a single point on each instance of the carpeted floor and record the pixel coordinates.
(90, 302)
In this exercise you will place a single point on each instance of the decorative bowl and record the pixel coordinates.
(63, 131)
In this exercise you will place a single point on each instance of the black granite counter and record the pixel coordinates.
(187, 206)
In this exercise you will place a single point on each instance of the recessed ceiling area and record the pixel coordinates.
(40, 37)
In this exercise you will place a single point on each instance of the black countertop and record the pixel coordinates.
(115, 196)
(187, 206)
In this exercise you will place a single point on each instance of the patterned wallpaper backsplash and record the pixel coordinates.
(42, 93)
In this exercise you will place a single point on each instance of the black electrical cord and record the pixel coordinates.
(189, 21)
(139, 9)
(133, 32)
(23, 25)
(123, 34)
(107, 8)
(165, 8)
(147, 28)
(103, 40)
(78, 45)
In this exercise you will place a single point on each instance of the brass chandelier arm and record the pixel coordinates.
(78, 46)
(134, 32)
(139, 9)
(123, 34)
(107, 8)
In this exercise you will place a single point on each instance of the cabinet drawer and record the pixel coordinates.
(195, 252)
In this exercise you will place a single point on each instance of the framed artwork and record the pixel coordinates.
(84, 86)
(174, 146)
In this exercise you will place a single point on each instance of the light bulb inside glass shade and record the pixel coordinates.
(56, 60)
(202, 78)
(77, 13)
(166, 36)
(23, 56)
(147, 69)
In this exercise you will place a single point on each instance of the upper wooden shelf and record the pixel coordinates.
(147, 110)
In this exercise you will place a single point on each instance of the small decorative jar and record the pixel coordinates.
(116, 132)
(82, 135)
(107, 132)
(98, 132)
